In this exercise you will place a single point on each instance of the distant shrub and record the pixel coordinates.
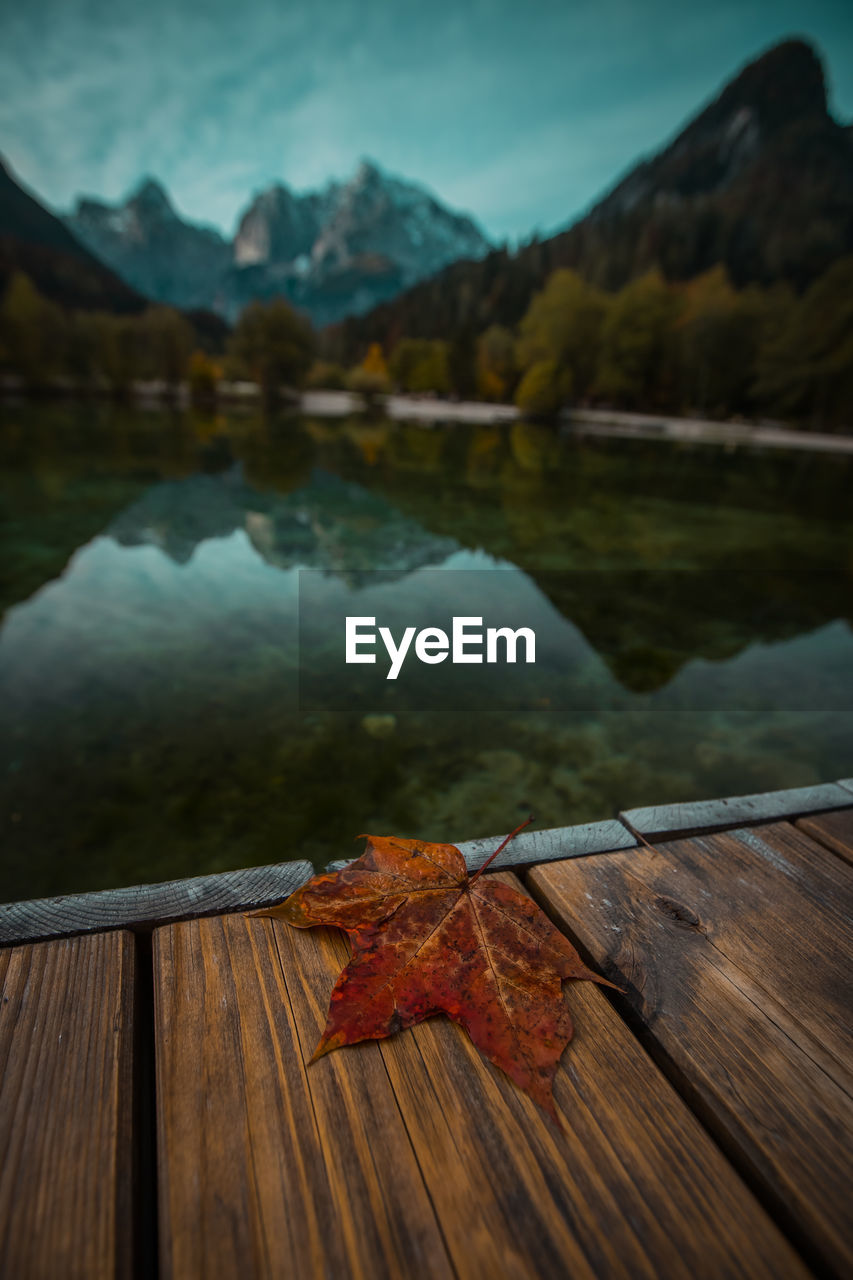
(370, 378)
(324, 375)
(420, 365)
(366, 382)
(273, 345)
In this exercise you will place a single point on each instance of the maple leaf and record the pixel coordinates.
(426, 939)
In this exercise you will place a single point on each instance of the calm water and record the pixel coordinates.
(174, 697)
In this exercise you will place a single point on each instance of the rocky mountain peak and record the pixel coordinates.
(332, 252)
(147, 243)
(151, 198)
(278, 226)
(368, 175)
(759, 181)
(38, 243)
(783, 84)
(781, 91)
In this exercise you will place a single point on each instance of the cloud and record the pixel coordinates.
(519, 113)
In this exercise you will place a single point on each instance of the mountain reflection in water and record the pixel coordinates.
(171, 673)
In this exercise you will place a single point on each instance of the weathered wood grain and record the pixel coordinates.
(376, 1183)
(540, 846)
(632, 1187)
(266, 1168)
(66, 1043)
(142, 906)
(671, 820)
(735, 950)
(835, 830)
(414, 1157)
(543, 846)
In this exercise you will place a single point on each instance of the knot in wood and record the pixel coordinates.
(678, 913)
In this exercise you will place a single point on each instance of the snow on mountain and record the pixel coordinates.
(333, 252)
(278, 226)
(377, 213)
(148, 244)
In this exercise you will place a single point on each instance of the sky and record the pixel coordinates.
(520, 112)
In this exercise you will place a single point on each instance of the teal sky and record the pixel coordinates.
(519, 113)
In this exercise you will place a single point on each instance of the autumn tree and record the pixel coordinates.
(404, 358)
(116, 345)
(713, 359)
(370, 378)
(544, 389)
(805, 367)
(32, 331)
(561, 331)
(461, 361)
(634, 344)
(433, 372)
(273, 345)
(325, 375)
(203, 375)
(374, 362)
(762, 316)
(82, 347)
(165, 343)
(421, 364)
(496, 366)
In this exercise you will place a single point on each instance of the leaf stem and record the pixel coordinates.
(503, 844)
(642, 839)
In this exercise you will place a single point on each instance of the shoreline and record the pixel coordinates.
(429, 411)
(589, 422)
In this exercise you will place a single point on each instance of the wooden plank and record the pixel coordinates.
(145, 905)
(735, 950)
(632, 1188)
(834, 830)
(413, 1157)
(544, 846)
(541, 846)
(266, 1168)
(66, 1043)
(671, 820)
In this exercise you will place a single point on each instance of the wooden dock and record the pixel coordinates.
(157, 1117)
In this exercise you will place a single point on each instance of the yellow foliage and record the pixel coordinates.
(203, 368)
(490, 385)
(374, 362)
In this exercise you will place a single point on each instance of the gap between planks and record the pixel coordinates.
(640, 921)
(475, 1182)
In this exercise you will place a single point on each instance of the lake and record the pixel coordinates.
(173, 595)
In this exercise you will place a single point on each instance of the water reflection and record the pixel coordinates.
(692, 610)
(328, 523)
